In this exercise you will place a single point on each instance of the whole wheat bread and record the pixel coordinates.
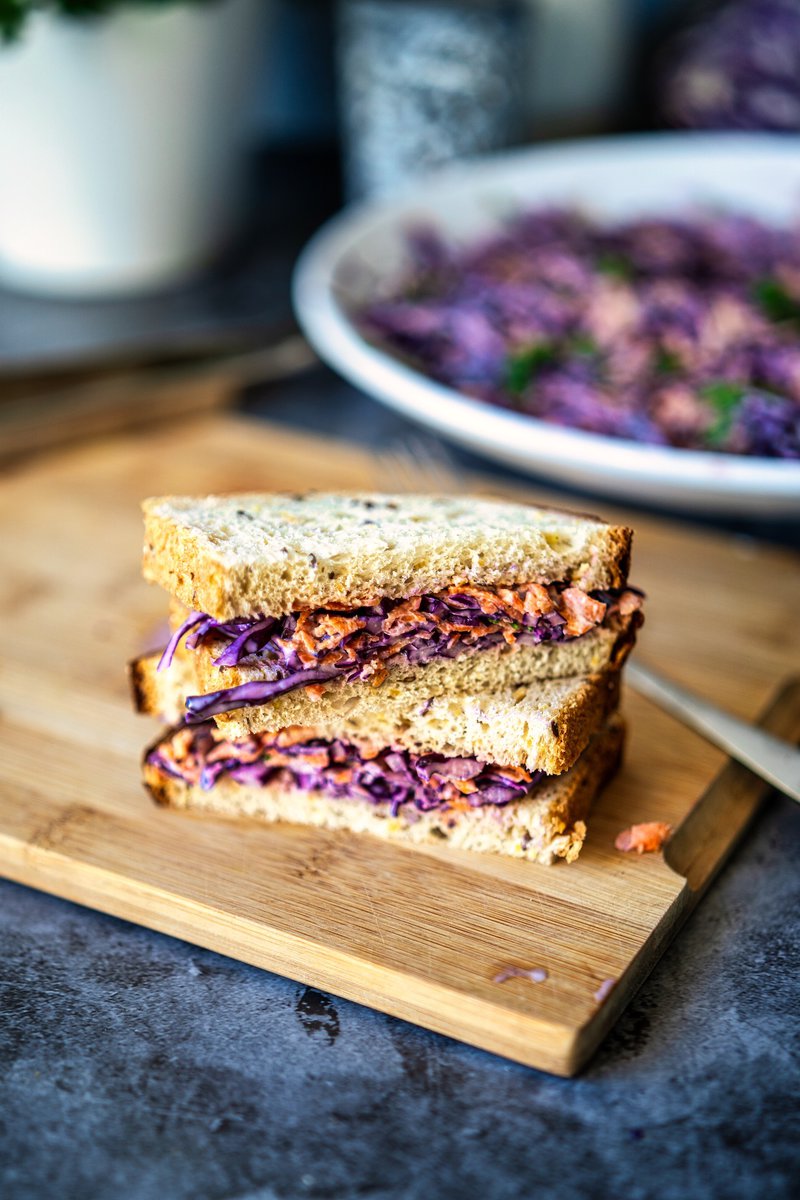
(243, 555)
(162, 693)
(549, 824)
(541, 726)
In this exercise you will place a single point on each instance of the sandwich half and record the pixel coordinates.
(297, 610)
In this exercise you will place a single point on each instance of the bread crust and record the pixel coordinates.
(547, 825)
(242, 555)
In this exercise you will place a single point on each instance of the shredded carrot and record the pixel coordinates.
(303, 639)
(406, 616)
(316, 757)
(629, 602)
(537, 600)
(580, 610)
(293, 734)
(182, 741)
(490, 602)
(343, 775)
(329, 639)
(513, 602)
(333, 629)
(458, 804)
(518, 773)
(368, 752)
(644, 838)
(242, 751)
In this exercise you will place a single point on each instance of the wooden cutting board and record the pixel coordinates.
(420, 934)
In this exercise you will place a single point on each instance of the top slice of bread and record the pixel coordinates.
(250, 554)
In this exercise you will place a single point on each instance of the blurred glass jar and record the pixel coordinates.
(580, 63)
(122, 143)
(423, 82)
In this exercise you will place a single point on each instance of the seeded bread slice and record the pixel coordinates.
(248, 554)
(549, 824)
(404, 690)
(541, 726)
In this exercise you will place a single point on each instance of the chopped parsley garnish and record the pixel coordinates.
(614, 265)
(725, 398)
(526, 364)
(775, 301)
(581, 343)
(667, 362)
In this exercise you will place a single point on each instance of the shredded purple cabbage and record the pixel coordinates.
(678, 331)
(394, 776)
(199, 708)
(264, 640)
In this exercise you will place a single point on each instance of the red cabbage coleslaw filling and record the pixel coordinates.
(297, 758)
(310, 647)
(676, 330)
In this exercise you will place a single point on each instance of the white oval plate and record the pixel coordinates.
(359, 254)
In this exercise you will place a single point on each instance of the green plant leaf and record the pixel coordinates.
(725, 397)
(667, 362)
(14, 14)
(775, 301)
(525, 365)
(614, 265)
(583, 344)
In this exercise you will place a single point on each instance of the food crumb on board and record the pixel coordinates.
(604, 989)
(535, 974)
(643, 838)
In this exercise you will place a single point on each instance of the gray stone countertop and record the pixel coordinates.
(137, 1067)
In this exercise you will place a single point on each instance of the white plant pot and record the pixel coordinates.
(121, 144)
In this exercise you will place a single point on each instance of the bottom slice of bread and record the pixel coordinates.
(547, 825)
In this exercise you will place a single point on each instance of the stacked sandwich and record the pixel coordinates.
(420, 667)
